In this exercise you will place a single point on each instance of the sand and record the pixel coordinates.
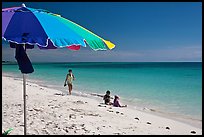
(50, 112)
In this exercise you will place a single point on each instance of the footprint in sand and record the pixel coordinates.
(110, 110)
(38, 109)
(57, 106)
(60, 94)
(85, 129)
(167, 127)
(72, 116)
(76, 110)
(82, 125)
(90, 114)
(78, 102)
(137, 118)
(101, 105)
(193, 132)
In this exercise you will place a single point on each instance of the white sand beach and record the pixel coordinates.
(51, 113)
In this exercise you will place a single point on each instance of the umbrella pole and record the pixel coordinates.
(24, 98)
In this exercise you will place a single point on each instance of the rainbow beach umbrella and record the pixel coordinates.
(28, 27)
(24, 25)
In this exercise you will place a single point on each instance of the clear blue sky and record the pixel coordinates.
(141, 31)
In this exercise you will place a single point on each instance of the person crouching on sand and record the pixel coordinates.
(107, 98)
(69, 80)
(116, 102)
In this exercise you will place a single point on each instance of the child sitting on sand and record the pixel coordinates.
(116, 102)
(107, 98)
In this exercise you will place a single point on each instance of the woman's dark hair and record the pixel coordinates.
(70, 70)
(107, 92)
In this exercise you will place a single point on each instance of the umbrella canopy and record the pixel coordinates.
(24, 25)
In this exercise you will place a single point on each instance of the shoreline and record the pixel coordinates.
(141, 126)
(184, 119)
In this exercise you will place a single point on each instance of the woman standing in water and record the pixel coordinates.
(68, 81)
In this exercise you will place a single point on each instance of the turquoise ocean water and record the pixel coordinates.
(173, 88)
